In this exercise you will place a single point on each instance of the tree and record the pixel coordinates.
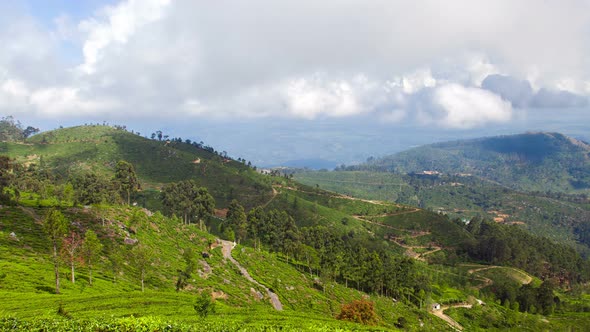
(185, 275)
(188, 200)
(71, 252)
(30, 131)
(91, 188)
(204, 305)
(56, 227)
(91, 251)
(359, 311)
(141, 257)
(6, 177)
(126, 179)
(236, 220)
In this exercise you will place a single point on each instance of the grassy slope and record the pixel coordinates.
(26, 282)
(99, 148)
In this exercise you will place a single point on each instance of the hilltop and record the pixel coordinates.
(531, 161)
(97, 148)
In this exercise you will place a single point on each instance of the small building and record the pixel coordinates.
(436, 306)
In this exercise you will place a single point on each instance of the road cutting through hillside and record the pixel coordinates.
(226, 249)
(440, 313)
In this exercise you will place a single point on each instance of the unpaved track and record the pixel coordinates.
(227, 247)
(453, 323)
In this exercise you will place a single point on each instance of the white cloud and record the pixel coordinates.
(299, 59)
(462, 107)
(414, 82)
(118, 24)
(310, 98)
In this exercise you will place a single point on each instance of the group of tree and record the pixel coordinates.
(527, 298)
(82, 187)
(510, 245)
(189, 201)
(12, 130)
(74, 250)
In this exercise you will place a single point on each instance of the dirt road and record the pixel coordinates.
(227, 247)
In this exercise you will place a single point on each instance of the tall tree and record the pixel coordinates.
(71, 252)
(188, 200)
(141, 257)
(126, 179)
(236, 220)
(90, 188)
(91, 251)
(6, 177)
(56, 227)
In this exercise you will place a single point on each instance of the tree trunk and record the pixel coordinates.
(56, 268)
(141, 280)
(90, 274)
(128, 197)
(73, 275)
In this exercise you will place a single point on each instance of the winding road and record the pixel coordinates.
(227, 247)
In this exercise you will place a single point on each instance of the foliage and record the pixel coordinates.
(205, 305)
(188, 200)
(359, 311)
(55, 226)
(91, 249)
(126, 179)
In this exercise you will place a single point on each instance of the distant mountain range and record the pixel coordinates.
(538, 161)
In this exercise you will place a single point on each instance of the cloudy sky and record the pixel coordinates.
(274, 81)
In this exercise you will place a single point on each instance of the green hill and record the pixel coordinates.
(531, 161)
(98, 149)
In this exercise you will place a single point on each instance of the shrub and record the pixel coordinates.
(205, 305)
(359, 311)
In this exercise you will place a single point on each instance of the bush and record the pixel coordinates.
(205, 305)
(359, 311)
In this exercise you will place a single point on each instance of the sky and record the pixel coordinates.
(277, 81)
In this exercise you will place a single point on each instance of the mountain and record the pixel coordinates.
(531, 161)
(312, 163)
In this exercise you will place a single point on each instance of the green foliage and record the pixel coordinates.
(56, 227)
(126, 179)
(91, 250)
(205, 305)
(142, 258)
(188, 200)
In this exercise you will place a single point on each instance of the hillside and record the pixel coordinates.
(531, 161)
(560, 217)
(97, 148)
(282, 256)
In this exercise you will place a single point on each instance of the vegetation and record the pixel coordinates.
(531, 161)
(333, 262)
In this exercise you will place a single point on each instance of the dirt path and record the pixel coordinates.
(274, 195)
(452, 323)
(526, 279)
(227, 247)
